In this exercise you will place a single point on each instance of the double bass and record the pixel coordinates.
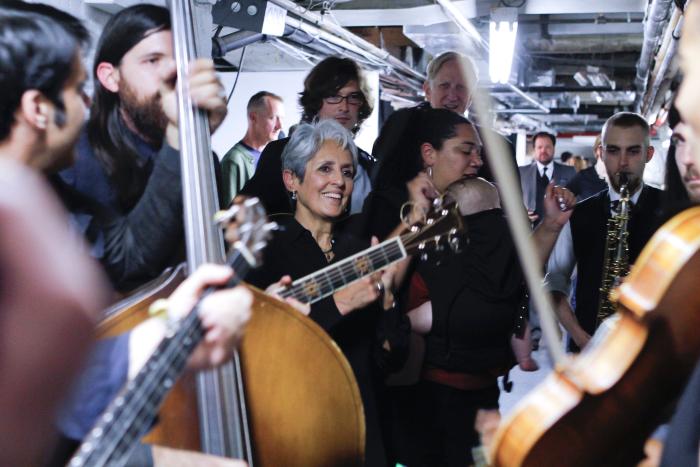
(289, 397)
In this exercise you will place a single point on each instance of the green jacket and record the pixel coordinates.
(237, 167)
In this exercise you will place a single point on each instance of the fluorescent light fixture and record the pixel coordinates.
(503, 30)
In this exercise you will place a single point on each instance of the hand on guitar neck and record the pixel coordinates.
(224, 315)
(358, 295)
(206, 91)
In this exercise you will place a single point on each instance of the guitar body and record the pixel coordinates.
(133, 310)
(601, 408)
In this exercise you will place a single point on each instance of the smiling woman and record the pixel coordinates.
(318, 169)
(319, 163)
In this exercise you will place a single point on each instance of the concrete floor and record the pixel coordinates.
(524, 382)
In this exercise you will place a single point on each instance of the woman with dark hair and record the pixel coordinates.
(471, 301)
(334, 89)
(318, 168)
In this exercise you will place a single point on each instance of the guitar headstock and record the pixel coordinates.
(247, 229)
(442, 226)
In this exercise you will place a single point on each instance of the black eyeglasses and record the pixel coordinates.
(354, 98)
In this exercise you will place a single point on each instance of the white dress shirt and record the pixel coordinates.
(562, 260)
(550, 168)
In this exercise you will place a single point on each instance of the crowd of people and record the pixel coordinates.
(92, 208)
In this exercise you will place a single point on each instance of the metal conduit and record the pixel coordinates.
(658, 15)
(340, 33)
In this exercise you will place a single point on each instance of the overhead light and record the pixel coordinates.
(503, 29)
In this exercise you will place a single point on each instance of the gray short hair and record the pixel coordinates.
(439, 60)
(307, 140)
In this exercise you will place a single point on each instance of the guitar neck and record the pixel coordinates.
(327, 281)
(132, 412)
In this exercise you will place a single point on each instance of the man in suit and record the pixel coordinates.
(535, 177)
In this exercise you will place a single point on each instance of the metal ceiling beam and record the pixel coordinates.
(345, 35)
(390, 16)
(562, 7)
(552, 89)
(656, 20)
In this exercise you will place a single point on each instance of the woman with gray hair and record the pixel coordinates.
(318, 166)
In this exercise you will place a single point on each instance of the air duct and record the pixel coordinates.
(657, 17)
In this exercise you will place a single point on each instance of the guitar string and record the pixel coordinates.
(349, 264)
(339, 275)
(377, 258)
(179, 353)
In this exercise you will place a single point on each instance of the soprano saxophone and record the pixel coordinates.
(616, 260)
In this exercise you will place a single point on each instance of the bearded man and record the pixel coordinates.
(118, 150)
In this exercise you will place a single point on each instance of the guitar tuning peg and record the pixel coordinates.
(454, 243)
(424, 257)
(439, 247)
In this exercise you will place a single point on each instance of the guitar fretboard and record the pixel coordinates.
(327, 281)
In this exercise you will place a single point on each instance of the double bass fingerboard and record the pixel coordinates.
(321, 284)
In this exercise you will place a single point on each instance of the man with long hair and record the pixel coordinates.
(119, 159)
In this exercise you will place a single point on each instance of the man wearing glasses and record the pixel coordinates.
(625, 150)
(335, 88)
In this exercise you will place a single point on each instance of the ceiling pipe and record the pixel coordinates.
(656, 19)
(528, 98)
(664, 68)
(551, 89)
(347, 37)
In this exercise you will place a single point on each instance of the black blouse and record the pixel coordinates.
(360, 334)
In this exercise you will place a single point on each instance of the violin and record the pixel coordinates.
(600, 407)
